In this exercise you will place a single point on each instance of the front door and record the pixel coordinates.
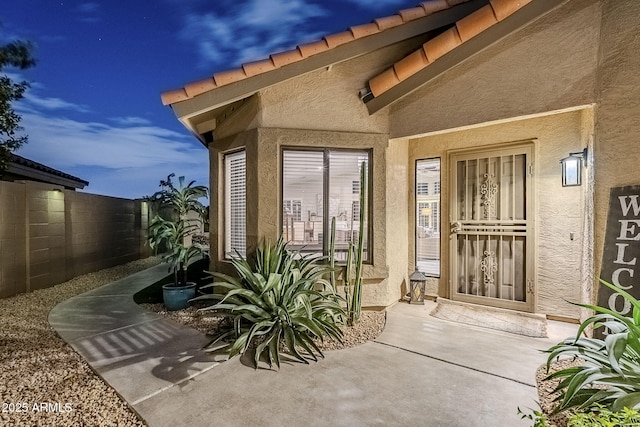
(491, 211)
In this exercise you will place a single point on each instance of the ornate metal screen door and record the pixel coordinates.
(492, 227)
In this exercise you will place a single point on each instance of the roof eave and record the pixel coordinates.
(521, 18)
(186, 111)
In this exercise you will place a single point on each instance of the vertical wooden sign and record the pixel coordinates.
(621, 253)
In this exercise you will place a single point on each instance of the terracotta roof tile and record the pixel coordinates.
(383, 82)
(442, 44)
(312, 48)
(284, 58)
(411, 64)
(173, 96)
(466, 28)
(330, 41)
(433, 6)
(475, 23)
(388, 22)
(196, 88)
(258, 67)
(411, 14)
(360, 31)
(337, 39)
(230, 76)
(504, 8)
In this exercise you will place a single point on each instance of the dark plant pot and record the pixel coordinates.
(177, 297)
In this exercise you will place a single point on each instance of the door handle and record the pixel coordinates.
(456, 227)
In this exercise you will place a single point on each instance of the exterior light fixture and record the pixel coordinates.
(572, 168)
(417, 283)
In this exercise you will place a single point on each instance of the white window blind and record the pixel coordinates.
(307, 176)
(235, 204)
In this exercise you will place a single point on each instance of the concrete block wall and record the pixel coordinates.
(49, 235)
(13, 243)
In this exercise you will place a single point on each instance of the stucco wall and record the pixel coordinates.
(559, 211)
(617, 136)
(546, 66)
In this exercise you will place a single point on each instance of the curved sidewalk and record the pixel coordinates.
(420, 371)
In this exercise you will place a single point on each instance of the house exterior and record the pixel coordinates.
(23, 169)
(478, 99)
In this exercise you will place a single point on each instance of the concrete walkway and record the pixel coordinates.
(420, 371)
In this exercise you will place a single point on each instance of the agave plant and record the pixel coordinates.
(610, 375)
(280, 297)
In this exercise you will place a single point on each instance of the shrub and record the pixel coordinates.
(610, 376)
(279, 297)
(605, 418)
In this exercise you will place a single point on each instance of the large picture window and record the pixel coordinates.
(235, 204)
(428, 217)
(324, 183)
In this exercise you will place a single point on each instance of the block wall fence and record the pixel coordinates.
(49, 235)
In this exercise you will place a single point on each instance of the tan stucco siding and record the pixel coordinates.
(617, 137)
(397, 190)
(546, 66)
(328, 99)
(559, 211)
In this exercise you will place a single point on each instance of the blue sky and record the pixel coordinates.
(94, 109)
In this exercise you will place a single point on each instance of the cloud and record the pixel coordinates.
(378, 4)
(48, 104)
(250, 30)
(122, 160)
(88, 12)
(131, 121)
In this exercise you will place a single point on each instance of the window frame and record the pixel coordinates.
(326, 223)
(416, 216)
(226, 255)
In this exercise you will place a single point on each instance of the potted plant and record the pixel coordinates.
(171, 230)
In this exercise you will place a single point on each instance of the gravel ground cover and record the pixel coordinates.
(546, 389)
(43, 381)
(368, 328)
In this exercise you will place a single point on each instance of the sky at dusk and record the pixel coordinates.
(94, 109)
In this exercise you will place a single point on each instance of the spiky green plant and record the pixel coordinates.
(610, 375)
(279, 297)
(352, 274)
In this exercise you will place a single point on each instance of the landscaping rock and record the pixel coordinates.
(43, 381)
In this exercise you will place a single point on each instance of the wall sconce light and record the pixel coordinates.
(572, 168)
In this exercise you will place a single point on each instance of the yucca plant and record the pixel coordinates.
(279, 297)
(610, 374)
(171, 231)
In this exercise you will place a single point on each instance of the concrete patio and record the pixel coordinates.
(420, 371)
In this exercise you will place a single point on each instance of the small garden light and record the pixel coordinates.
(417, 282)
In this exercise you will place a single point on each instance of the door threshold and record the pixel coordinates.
(501, 319)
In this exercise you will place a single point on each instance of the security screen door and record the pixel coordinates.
(492, 227)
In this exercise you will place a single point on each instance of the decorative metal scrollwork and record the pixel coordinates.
(489, 267)
(488, 192)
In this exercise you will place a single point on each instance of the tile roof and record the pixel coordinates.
(306, 50)
(465, 29)
(19, 166)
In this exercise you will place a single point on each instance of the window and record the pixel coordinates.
(422, 188)
(428, 217)
(235, 204)
(325, 183)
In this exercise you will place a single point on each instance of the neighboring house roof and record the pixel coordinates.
(21, 168)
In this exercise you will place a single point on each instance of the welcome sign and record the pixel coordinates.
(621, 254)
